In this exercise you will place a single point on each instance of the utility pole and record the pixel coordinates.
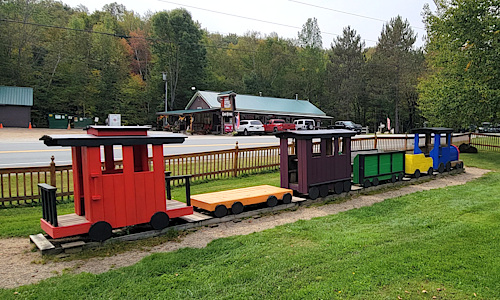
(166, 90)
(165, 119)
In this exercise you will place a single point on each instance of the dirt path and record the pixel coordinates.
(18, 265)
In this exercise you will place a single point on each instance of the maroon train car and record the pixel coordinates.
(318, 162)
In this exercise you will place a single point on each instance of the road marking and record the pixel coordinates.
(166, 146)
(33, 151)
(34, 164)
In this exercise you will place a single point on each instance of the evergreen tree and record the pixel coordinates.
(345, 79)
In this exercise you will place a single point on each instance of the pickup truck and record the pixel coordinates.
(276, 125)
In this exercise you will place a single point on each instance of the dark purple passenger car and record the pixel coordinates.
(318, 162)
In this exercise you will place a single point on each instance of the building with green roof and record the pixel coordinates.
(15, 106)
(205, 108)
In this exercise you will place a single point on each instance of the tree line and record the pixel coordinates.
(113, 61)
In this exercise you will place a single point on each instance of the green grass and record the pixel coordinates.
(443, 241)
(483, 159)
(23, 221)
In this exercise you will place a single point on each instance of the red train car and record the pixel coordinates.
(316, 168)
(108, 197)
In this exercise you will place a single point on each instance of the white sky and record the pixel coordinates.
(293, 13)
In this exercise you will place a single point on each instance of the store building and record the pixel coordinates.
(213, 112)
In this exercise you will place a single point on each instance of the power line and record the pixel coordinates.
(249, 18)
(346, 13)
(120, 35)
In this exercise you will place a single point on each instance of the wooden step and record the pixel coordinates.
(42, 243)
(73, 247)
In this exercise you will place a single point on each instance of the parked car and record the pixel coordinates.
(276, 125)
(304, 124)
(250, 126)
(350, 125)
(488, 127)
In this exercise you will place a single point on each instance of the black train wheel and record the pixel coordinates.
(366, 183)
(272, 201)
(220, 211)
(347, 186)
(448, 167)
(323, 190)
(441, 168)
(159, 220)
(394, 178)
(287, 198)
(339, 188)
(100, 231)
(416, 174)
(375, 181)
(430, 172)
(313, 193)
(237, 208)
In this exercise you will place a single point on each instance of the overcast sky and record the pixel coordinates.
(286, 17)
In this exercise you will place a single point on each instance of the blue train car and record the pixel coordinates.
(445, 156)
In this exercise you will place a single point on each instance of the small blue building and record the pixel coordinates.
(15, 106)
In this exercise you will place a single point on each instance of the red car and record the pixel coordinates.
(277, 125)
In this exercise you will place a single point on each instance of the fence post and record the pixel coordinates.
(375, 141)
(52, 171)
(406, 141)
(470, 134)
(235, 161)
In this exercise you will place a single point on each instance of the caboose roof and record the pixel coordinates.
(432, 130)
(114, 135)
(311, 134)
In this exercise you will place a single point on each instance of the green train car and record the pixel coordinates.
(373, 167)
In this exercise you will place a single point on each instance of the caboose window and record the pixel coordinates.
(141, 163)
(342, 146)
(316, 147)
(109, 166)
(329, 146)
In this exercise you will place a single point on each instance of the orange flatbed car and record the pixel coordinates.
(220, 202)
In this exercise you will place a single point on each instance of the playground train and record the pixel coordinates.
(319, 162)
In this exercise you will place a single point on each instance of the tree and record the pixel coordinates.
(310, 35)
(345, 83)
(311, 63)
(179, 53)
(140, 53)
(462, 86)
(393, 72)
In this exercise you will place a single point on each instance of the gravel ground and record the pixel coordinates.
(20, 266)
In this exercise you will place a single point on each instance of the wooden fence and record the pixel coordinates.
(485, 141)
(18, 186)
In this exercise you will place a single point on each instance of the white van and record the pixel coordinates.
(304, 124)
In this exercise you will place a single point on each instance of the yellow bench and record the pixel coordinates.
(220, 202)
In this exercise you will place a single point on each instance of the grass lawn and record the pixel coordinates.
(441, 243)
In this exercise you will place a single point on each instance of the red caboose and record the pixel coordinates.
(108, 197)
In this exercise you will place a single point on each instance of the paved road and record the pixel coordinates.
(21, 148)
(34, 153)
